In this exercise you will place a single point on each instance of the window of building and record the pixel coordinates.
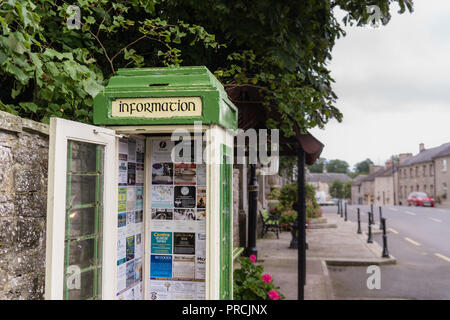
(417, 171)
(424, 170)
(431, 169)
(444, 188)
(444, 165)
(410, 172)
(417, 187)
(412, 188)
(425, 188)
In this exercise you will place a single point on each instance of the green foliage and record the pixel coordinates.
(337, 166)
(248, 282)
(287, 218)
(274, 195)
(288, 197)
(287, 165)
(347, 189)
(337, 189)
(363, 166)
(318, 166)
(48, 69)
(281, 48)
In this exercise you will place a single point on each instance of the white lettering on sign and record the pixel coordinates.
(374, 280)
(167, 107)
(73, 277)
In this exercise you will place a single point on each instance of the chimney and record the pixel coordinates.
(403, 157)
(421, 147)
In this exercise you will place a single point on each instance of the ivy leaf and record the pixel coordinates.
(29, 106)
(92, 87)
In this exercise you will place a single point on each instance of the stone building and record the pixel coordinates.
(322, 181)
(357, 194)
(367, 185)
(385, 185)
(417, 173)
(442, 177)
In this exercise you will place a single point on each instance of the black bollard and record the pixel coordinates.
(385, 249)
(345, 211)
(369, 238)
(381, 217)
(338, 205)
(342, 210)
(359, 223)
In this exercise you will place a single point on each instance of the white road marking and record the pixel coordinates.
(441, 210)
(393, 230)
(412, 241)
(393, 209)
(436, 220)
(442, 257)
(410, 213)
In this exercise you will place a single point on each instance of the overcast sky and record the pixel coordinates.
(393, 84)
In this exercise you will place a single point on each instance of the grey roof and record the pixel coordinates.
(326, 177)
(443, 153)
(375, 174)
(427, 155)
(357, 180)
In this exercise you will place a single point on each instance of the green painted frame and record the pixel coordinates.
(226, 221)
(167, 82)
(98, 212)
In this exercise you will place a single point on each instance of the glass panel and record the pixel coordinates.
(84, 157)
(83, 190)
(82, 253)
(82, 222)
(84, 210)
(81, 286)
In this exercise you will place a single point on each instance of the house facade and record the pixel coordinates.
(418, 173)
(442, 182)
(357, 193)
(384, 186)
(322, 181)
(428, 171)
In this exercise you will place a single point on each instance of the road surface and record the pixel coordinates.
(419, 238)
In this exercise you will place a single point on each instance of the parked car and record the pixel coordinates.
(323, 199)
(420, 199)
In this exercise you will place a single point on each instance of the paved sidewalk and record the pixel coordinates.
(336, 245)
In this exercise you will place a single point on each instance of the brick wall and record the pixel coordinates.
(23, 207)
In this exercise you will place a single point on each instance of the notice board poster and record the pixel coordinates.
(177, 226)
(130, 220)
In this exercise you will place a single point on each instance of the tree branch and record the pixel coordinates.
(104, 50)
(130, 44)
(104, 17)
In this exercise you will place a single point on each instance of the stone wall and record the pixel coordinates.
(23, 206)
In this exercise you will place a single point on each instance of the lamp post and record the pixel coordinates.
(301, 210)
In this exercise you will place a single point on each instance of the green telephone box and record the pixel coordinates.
(140, 205)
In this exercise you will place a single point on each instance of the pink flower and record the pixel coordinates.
(252, 258)
(267, 278)
(273, 295)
